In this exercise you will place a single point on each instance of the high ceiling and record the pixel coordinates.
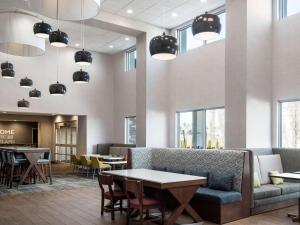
(163, 13)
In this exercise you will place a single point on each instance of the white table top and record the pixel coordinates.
(293, 176)
(116, 162)
(155, 176)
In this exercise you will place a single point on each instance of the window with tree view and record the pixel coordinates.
(288, 7)
(201, 129)
(130, 130)
(290, 124)
(130, 59)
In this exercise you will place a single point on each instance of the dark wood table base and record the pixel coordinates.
(183, 196)
(295, 217)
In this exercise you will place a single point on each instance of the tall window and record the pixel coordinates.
(289, 129)
(187, 41)
(288, 7)
(130, 59)
(201, 129)
(130, 130)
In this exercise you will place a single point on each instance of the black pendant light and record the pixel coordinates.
(163, 47)
(23, 104)
(83, 58)
(7, 70)
(42, 30)
(81, 77)
(57, 89)
(206, 26)
(26, 82)
(58, 38)
(35, 93)
(7, 65)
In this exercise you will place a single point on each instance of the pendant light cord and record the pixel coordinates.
(57, 72)
(57, 14)
(82, 24)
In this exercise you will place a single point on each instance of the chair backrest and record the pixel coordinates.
(3, 155)
(134, 188)
(105, 180)
(84, 160)
(95, 162)
(73, 159)
(10, 157)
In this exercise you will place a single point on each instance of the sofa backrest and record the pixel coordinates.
(290, 158)
(218, 162)
(119, 151)
(104, 149)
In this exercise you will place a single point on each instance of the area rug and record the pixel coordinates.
(60, 182)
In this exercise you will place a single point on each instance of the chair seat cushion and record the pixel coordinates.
(288, 188)
(104, 166)
(223, 197)
(266, 191)
(117, 194)
(43, 161)
(146, 202)
(20, 161)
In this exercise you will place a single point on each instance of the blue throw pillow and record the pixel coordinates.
(222, 183)
(199, 173)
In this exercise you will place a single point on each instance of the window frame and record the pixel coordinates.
(126, 129)
(282, 9)
(127, 53)
(187, 25)
(194, 128)
(279, 120)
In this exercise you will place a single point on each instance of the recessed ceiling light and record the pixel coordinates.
(129, 11)
(127, 39)
(111, 46)
(174, 14)
(77, 44)
(203, 0)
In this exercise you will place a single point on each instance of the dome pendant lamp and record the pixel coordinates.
(58, 38)
(81, 77)
(42, 30)
(35, 93)
(26, 82)
(23, 104)
(7, 70)
(206, 27)
(83, 58)
(57, 89)
(163, 47)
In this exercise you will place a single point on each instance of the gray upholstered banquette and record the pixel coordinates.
(214, 205)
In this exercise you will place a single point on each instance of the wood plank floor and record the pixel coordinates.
(82, 207)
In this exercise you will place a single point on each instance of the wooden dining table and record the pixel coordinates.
(32, 155)
(295, 177)
(182, 187)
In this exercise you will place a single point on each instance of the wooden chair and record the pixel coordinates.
(106, 181)
(138, 202)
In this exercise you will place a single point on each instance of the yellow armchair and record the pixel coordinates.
(86, 163)
(98, 165)
(75, 162)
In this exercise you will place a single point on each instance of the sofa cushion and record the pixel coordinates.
(288, 188)
(222, 183)
(275, 180)
(256, 167)
(266, 191)
(199, 173)
(223, 197)
(276, 199)
(269, 163)
(256, 180)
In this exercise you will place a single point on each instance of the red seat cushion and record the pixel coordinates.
(117, 194)
(146, 202)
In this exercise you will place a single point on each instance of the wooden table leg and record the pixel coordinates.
(183, 195)
(32, 157)
(295, 217)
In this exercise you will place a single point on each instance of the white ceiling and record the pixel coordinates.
(155, 12)
(159, 12)
(96, 39)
